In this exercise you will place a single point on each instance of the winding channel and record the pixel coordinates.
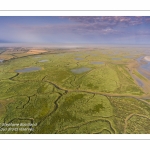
(84, 91)
(86, 123)
(130, 116)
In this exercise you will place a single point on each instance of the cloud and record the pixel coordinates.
(65, 29)
(147, 19)
(81, 28)
(84, 25)
(108, 20)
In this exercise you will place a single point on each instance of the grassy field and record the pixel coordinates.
(105, 99)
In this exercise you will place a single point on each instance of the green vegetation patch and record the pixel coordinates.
(123, 107)
(102, 100)
(80, 111)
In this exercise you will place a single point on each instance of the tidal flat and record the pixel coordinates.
(75, 91)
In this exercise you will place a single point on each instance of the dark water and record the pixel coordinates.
(43, 60)
(97, 62)
(31, 69)
(80, 70)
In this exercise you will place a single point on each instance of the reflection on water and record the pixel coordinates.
(1, 60)
(80, 70)
(78, 58)
(129, 56)
(144, 68)
(30, 69)
(140, 59)
(144, 74)
(139, 82)
(97, 62)
(43, 60)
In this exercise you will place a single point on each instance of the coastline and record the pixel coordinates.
(147, 58)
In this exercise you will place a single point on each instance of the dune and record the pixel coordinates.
(147, 58)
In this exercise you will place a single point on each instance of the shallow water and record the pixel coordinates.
(97, 62)
(30, 69)
(80, 70)
(43, 60)
(145, 66)
(78, 58)
(1, 60)
(116, 58)
(140, 59)
(139, 82)
(144, 74)
(128, 56)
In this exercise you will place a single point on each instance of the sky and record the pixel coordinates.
(75, 29)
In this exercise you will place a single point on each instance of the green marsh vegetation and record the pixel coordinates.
(103, 99)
